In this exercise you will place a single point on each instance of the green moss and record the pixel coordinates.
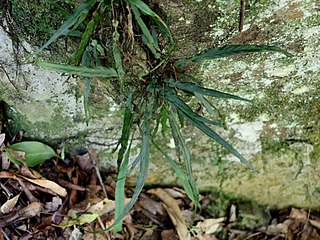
(36, 20)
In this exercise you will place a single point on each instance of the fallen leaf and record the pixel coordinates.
(54, 204)
(315, 223)
(34, 153)
(76, 234)
(169, 234)
(5, 162)
(298, 214)
(31, 210)
(176, 193)
(210, 225)
(9, 205)
(83, 219)
(30, 173)
(48, 184)
(85, 162)
(105, 206)
(174, 212)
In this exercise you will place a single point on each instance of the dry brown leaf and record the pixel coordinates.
(85, 162)
(209, 226)
(176, 193)
(298, 214)
(48, 184)
(315, 223)
(31, 210)
(9, 205)
(5, 162)
(275, 229)
(30, 173)
(174, 212)
(104, 206)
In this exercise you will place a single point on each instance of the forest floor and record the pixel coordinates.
(70, 199)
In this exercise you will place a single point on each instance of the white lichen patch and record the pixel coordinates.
(248, 139)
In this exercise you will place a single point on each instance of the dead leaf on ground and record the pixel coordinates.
(83, 219)
(54, 204)
(5, 162)
(30, 173)
(48, 184)
(105, 206)
(210, 226)
(31, 210)
(174, 212)
(9, 205)
(298, 214)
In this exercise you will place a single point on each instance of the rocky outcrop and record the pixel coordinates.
(278, 134)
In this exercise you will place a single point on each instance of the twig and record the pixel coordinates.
(27, 191)
(93, 157)
(4, 234)
(241, 15)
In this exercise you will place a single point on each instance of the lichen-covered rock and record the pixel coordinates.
(279, 134)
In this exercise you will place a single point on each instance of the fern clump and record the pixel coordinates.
(149, 82)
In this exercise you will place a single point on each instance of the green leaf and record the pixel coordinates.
(80, 70)
(147, 37)
(182, 176)
(34, 153)
(164, 118)
(72, 20)
(146, 10)
(117, 55)
(207, 105)
(86, 37)
(182, 106)
(120, 191)
(230, 50)
(143, 157)
(192, 88)
(212, 134)
(186, 156)
(126, 128)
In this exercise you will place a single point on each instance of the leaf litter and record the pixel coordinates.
(69, 198)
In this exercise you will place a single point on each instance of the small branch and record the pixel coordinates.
(241, 15)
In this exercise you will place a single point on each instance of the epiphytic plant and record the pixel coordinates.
(149, 82)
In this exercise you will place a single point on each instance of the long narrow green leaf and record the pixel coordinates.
(208, 106)
(80, 70)
(182, 106)
(182, 176)
(148, 39)
(73, 19)
(144, 157)
(120, 191)
(192, 87)
(126, 128)
(212, 134)
(146, 10)
(117, 55)
(186, 156)
(230, 50)
(86, 37)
